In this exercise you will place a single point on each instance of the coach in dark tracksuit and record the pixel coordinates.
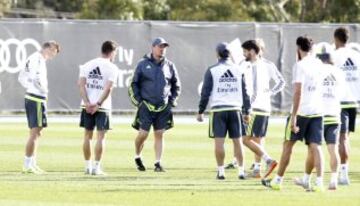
(154, 89)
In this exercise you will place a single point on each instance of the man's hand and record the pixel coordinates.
(246, 119)
(293, 126)
(95, 109)
(90, 108)
(173, 103)
(200, 117)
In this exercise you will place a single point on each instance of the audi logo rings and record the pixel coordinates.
(20, 53)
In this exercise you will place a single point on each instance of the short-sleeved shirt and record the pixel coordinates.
(97, 72)
(333, 91)
(308, 72)
(348, 60)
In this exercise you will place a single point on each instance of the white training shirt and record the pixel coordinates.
(97, 72)
(33, 76)
(333, 90)
(308, 72)
(227, 85)
(262, 73)
(348, 60)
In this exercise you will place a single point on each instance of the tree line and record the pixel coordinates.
(327, 11)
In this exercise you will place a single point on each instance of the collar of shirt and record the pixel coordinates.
(225, 61)
(153, 60)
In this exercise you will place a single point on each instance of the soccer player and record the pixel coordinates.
(34, 78)
(224, 86)
(154, 90)
(306, 120)
(261, 104)
(263, 72)
(333, 89)
(348, 60)
(96, 81)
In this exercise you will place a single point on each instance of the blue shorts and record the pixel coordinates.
(223, 122)
(100, 119)
(348, 120)
(161, 120)
(258, 126)
(331, 133)
(243, 126)
(310, 129)
(35, 108)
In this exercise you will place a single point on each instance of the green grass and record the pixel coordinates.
(189, 180)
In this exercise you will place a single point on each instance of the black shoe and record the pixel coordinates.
(220, 177)
(230, 166)
(139, 164)
(266, 182)
(158, 168)
(242, 177)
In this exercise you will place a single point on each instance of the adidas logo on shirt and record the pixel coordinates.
(95, 74)
(329, 81)
(227, 77)
(349, 65)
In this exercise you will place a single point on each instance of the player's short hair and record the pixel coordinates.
(108, 47)
(251, 44)
(342, 34)
(51, 44)
(323, 51)
(223, 50)
(304, 43)
(325, 57)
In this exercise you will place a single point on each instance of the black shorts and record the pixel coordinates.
(348, 120)
(331, 133)
(35, 108)
(244, 126)
(310, 129)
(258, 126)
(222, 122)
(100, 119)
(159, 120)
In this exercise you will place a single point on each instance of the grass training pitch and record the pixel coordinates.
(189, 179)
